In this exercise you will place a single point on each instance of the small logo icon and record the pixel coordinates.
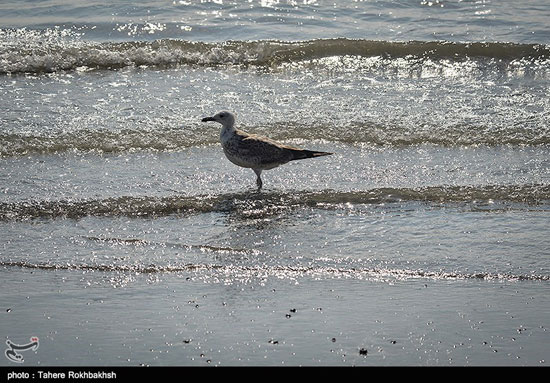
(12, 352)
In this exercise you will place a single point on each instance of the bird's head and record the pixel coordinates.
(224, 118)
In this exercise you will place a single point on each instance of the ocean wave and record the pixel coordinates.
(236, 272)
(27, 51)
(104, 141)
(169, 139)
(143, 242)
(261, 205)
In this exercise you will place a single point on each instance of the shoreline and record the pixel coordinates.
(181, 320)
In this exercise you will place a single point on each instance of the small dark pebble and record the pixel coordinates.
(292, 310)
(288, 315)
(187, 341)
(333, 340)
(393, 342)
(8, 310)
(363, 351)
(272, 341)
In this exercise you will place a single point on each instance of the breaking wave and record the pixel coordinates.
(28, 51)
(282, 271)
(269, 203)
(103, 141)
(168, 139)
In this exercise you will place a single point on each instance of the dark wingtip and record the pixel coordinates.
(300, 154)
(319, 154)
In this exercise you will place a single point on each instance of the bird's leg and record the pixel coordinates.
(258, 180)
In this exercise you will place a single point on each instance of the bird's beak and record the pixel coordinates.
(208, 119)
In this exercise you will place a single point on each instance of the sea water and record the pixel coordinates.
(127, 238)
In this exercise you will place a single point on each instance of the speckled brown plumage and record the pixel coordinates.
(253, 151)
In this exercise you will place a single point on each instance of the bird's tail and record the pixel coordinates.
(300, 154)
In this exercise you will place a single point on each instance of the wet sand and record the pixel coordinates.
(194, 319)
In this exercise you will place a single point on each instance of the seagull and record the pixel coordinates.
(255, 152)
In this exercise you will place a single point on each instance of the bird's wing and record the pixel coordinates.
(268, 151)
